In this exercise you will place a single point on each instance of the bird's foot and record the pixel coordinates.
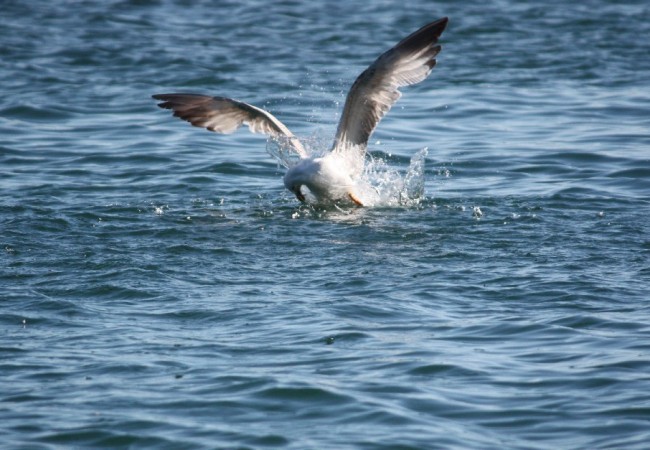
(355, 199)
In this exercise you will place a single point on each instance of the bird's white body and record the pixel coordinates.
(331, 178)
(328, 179)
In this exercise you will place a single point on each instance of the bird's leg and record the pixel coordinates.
(355, 199)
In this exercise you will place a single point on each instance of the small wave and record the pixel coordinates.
(29, 113)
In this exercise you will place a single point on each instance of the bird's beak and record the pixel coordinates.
(300, 196)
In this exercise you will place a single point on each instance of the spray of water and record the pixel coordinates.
(384, 185)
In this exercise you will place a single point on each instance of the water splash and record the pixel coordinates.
(383, 185)
(280, 149)
(317, 144)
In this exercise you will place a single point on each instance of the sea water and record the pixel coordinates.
(159, 288)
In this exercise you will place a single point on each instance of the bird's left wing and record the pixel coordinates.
(225, 115)
(376, 89)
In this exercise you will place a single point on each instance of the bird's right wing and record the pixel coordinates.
(225, 115)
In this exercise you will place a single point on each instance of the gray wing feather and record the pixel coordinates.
(225, 115)
(376, 89)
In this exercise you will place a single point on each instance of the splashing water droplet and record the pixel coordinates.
(382, 185)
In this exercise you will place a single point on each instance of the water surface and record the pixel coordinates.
(161, 289)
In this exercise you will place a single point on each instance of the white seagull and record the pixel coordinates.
(331, 178)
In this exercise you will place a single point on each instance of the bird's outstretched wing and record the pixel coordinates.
(225, 115)
(376, 89)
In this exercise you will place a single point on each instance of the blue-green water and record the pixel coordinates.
(161, 289)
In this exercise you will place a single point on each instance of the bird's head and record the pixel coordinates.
(297, 176)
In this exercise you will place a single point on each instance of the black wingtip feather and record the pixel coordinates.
(428, 33)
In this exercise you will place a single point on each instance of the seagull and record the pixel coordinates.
(332, 178)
